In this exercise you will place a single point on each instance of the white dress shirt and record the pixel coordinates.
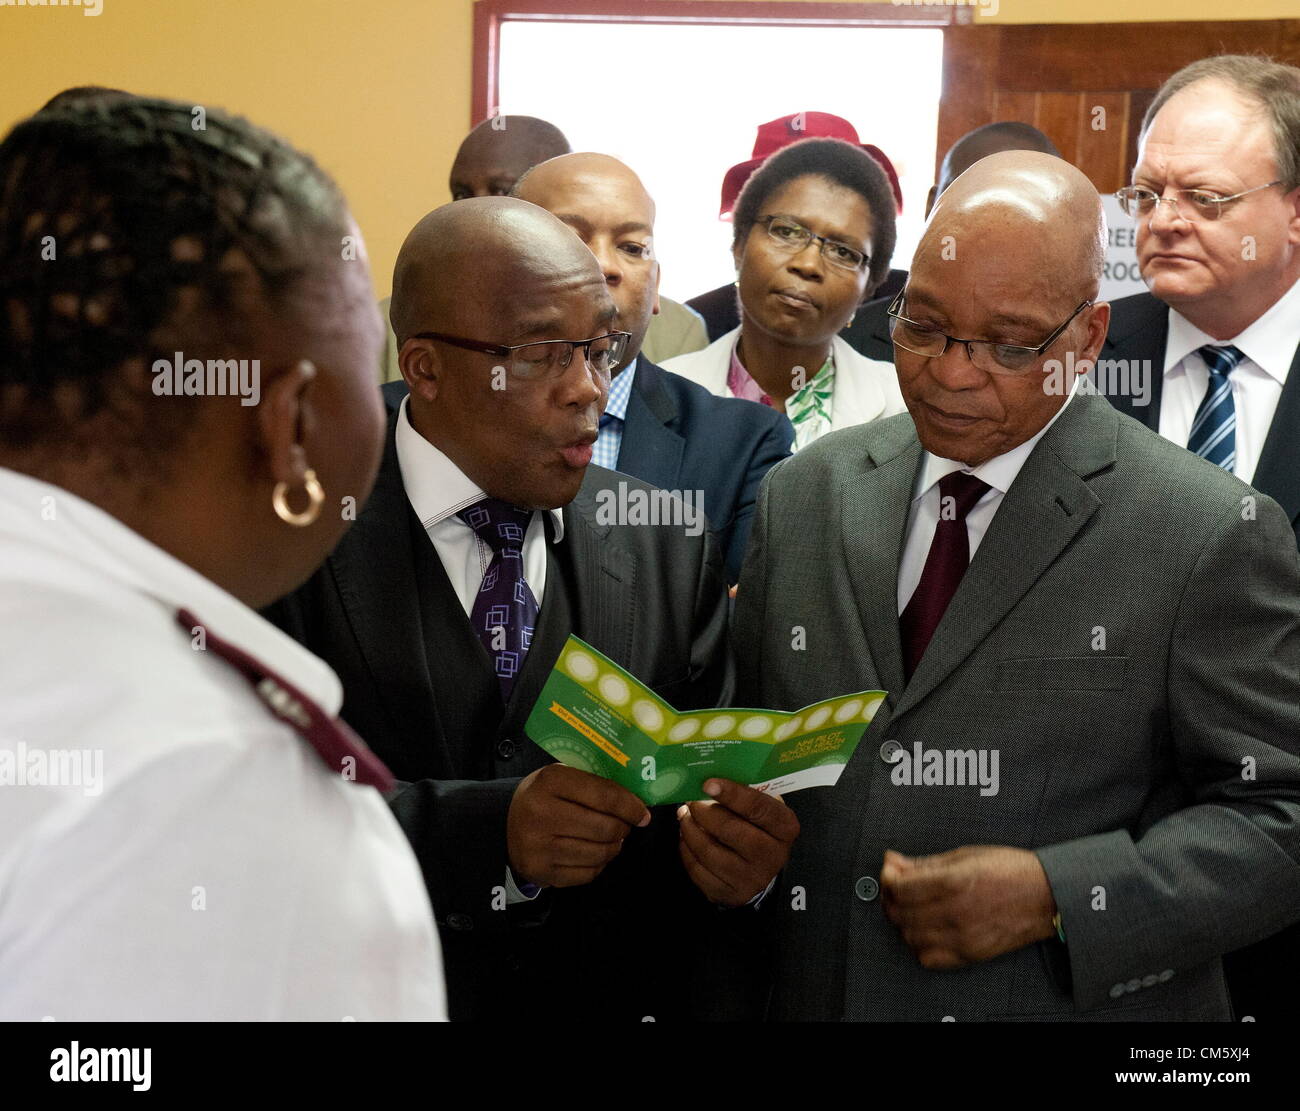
(999, 472)
(1269, 345)
(217, 869)
(438, 490)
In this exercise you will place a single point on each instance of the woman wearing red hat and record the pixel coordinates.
(814, 232)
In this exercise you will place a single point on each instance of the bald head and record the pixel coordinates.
(583, 168)
(604, 202)
(499, 151)
(1011, 257)
(500, 272)
(1027, 202)
(992, 138)
(462, 260)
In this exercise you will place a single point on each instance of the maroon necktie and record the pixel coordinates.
(944, 566)
(332, 739)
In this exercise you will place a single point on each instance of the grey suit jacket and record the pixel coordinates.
(1157, 777)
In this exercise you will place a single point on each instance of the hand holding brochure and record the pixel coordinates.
(595, 716)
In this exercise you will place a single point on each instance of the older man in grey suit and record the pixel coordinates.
(1084, 786)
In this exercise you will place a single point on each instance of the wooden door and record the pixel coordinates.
(1086, 86)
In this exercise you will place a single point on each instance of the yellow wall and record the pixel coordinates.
(377, 90)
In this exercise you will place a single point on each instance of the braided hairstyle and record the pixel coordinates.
(127, 233)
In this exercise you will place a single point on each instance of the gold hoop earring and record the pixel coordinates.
(315, 494)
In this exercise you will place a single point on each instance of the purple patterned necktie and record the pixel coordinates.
(505, 611)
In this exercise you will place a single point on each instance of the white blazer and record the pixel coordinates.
(865, 389)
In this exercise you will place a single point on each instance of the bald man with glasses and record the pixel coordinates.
(1083, 787)
(485, 545)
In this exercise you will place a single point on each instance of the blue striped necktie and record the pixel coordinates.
(1213, 434)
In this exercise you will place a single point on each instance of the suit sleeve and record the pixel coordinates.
(712, 675)
(457, 828)
(751, 594)
(458, 831)
(1223, 871)
(770, 450)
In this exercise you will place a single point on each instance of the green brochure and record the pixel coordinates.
(595, 716)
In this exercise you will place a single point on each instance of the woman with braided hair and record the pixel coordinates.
(187, 830)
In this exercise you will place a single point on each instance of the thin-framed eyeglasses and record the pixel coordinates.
(531, 362)
(788, 233)
(1203, 204)
(985, 355)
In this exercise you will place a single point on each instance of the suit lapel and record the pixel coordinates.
(874, 506)
(1278, 471)
(1048, 503)
(604, 574)
(1138, 337)
(374, 570)
(651, 450)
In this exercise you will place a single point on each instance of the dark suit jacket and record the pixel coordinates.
(1121, 759)
(721, 315)
(1139, 327)
(679, 436)
(869, 332)
(381, 612)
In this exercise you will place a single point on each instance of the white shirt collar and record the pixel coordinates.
(82, 546)
(999, 472)
(435, 486)
(1269, 342)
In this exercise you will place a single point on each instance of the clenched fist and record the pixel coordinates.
(565, 825)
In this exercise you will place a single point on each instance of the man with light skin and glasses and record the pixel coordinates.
(1050, 592)
(1216, 201)
(481, 550)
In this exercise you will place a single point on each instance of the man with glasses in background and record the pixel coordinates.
(558, 896)
(1216, 199)
(1048, 816)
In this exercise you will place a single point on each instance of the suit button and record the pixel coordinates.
(866, 889)
(889, 751)
(506, 749)
(1133, 985)
(1150, 981)
(460, 922)
(1166, 975)
(1116, 991)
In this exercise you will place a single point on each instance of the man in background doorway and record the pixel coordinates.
(492, 157)
(868, 332)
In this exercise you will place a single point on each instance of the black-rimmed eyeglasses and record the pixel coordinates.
(531, 362)
(985, 355)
